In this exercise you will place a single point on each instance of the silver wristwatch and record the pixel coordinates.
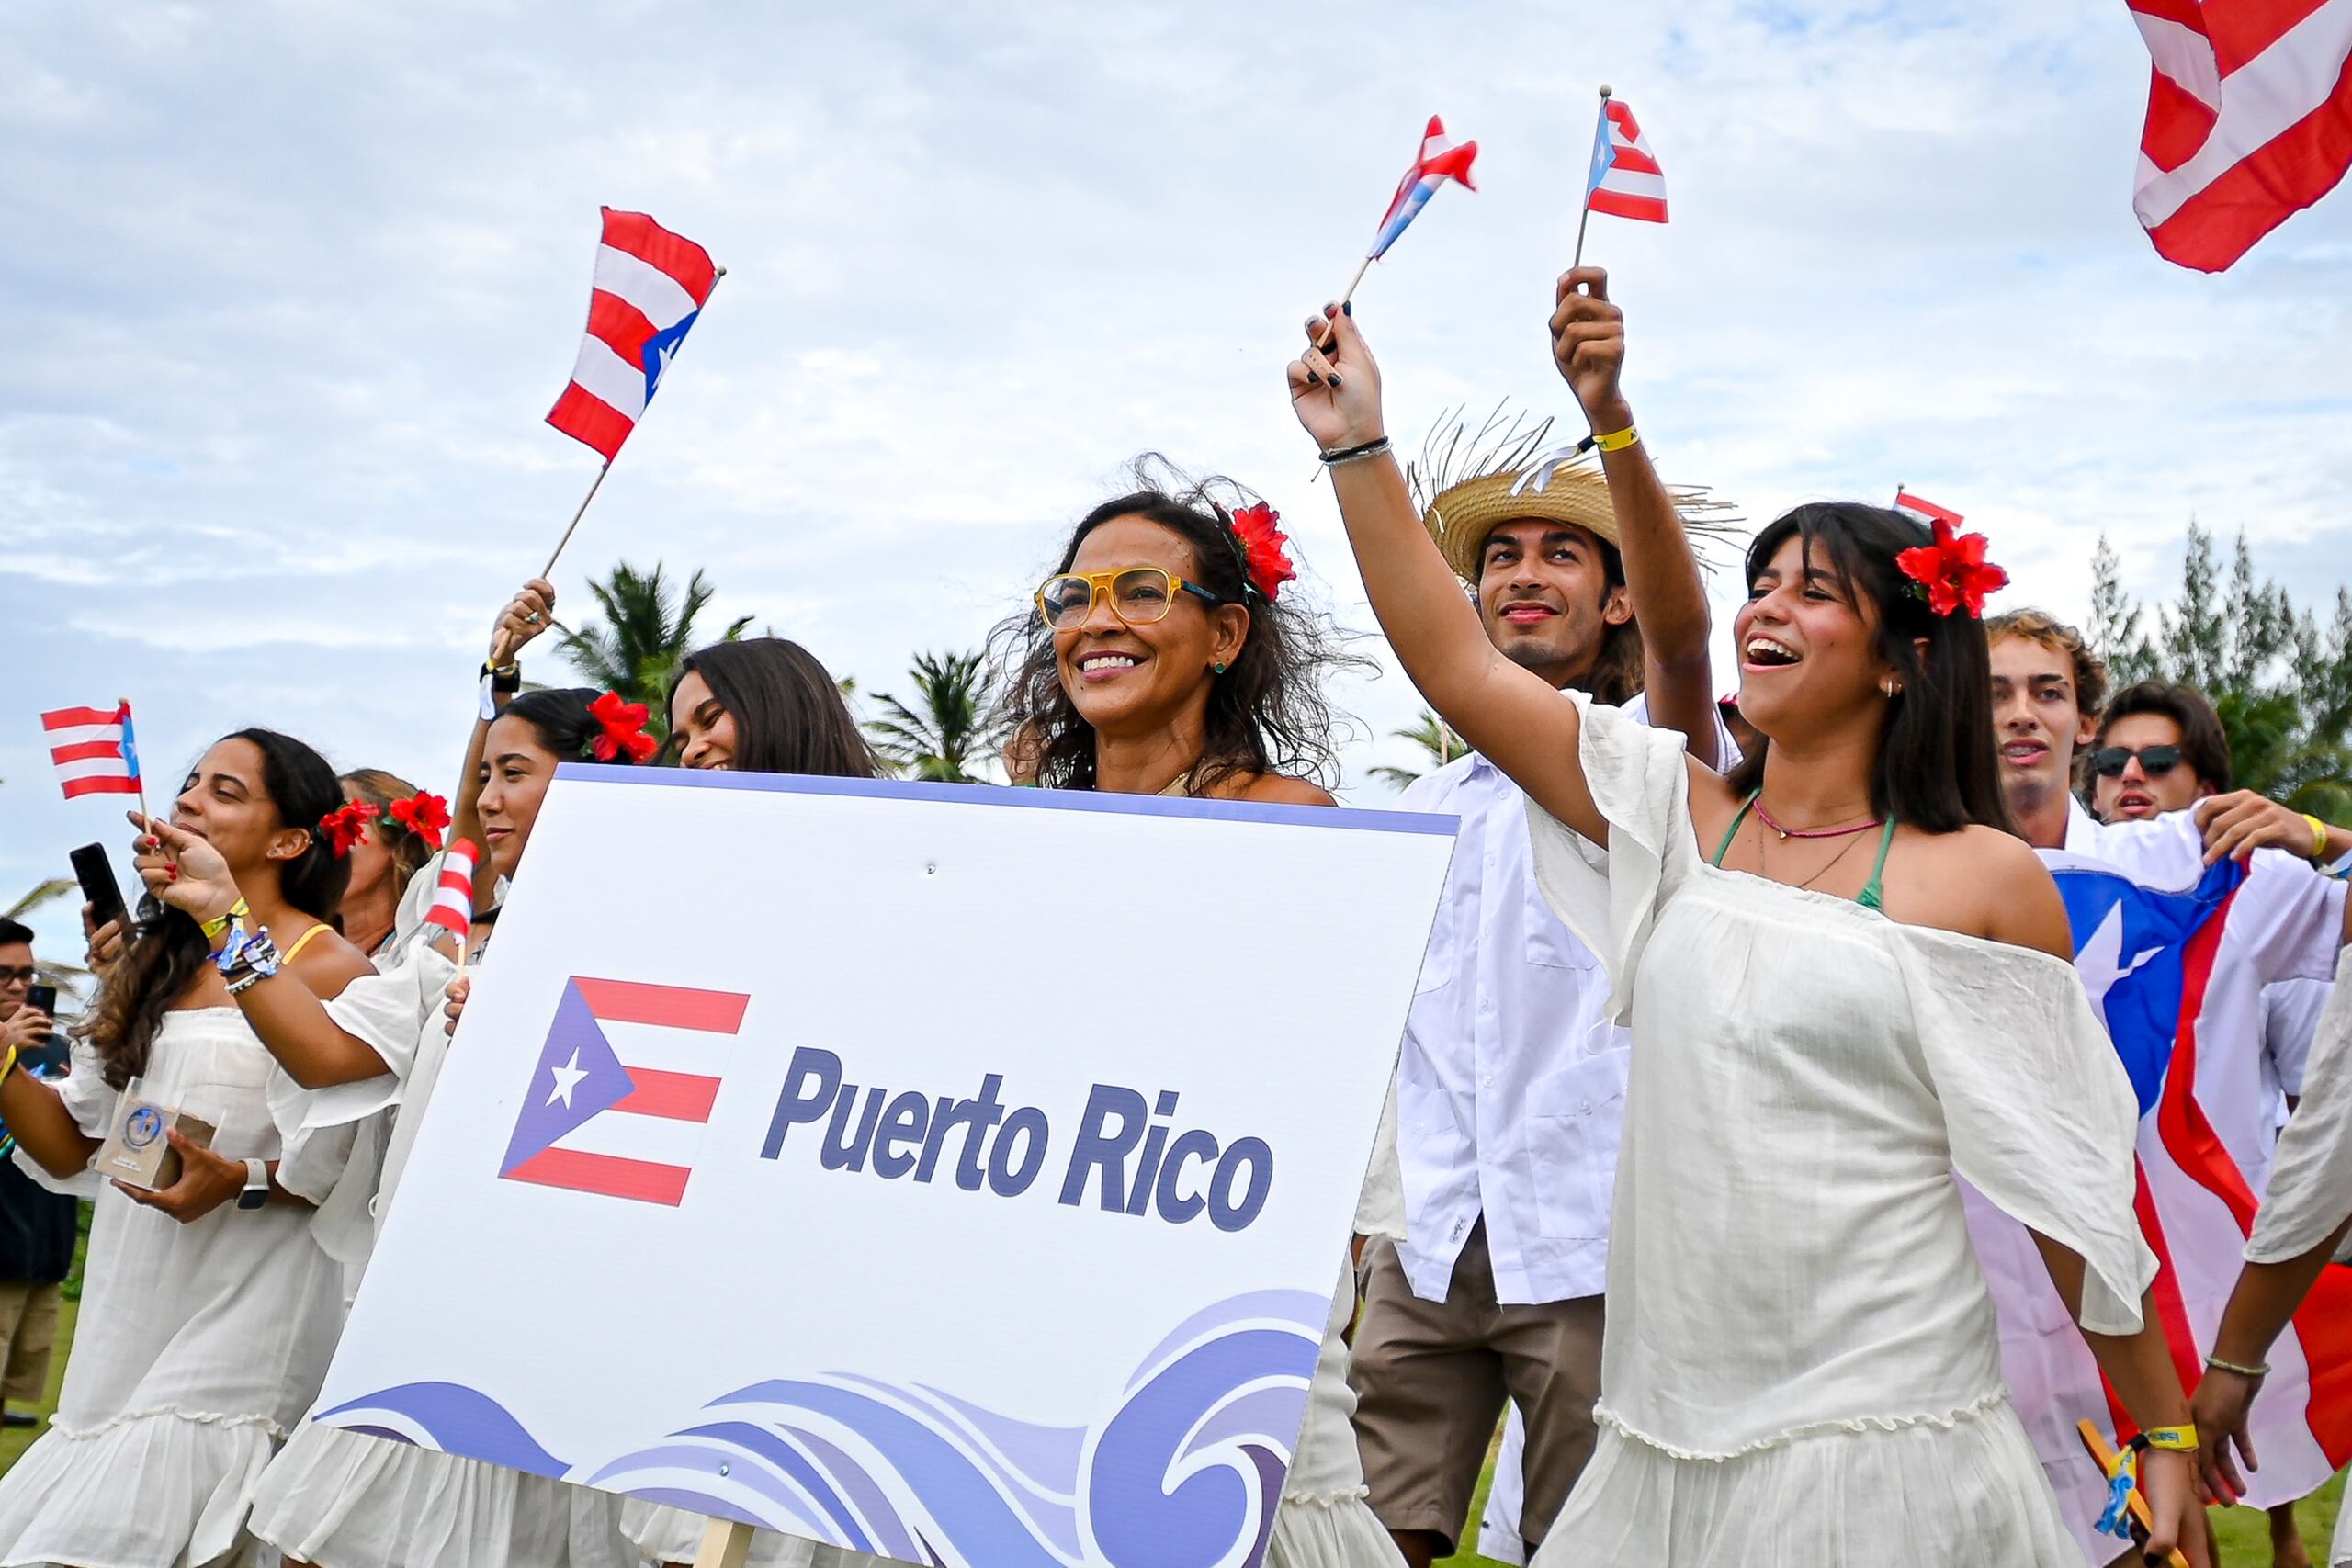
(257, 1192)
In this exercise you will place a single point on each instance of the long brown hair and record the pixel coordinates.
(171, 950)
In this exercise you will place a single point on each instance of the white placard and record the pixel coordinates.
(952, 1173)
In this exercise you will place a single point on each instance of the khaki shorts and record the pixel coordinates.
(1431, 1379)
(28, 1329)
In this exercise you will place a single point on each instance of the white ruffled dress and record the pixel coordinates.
(198, 1346)
(2310, 1176)
(336, 1498)
(1801, 1368)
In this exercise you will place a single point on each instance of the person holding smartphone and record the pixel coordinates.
(37, 1226)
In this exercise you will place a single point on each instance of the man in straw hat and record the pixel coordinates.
(1510, 1084)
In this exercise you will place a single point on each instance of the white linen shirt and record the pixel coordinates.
(1510, 1086)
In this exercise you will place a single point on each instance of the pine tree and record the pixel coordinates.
(2281, 683)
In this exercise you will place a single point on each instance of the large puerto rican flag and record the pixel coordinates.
(649, 286)
(2249, 120)
(2172, 970)
(622, 1087)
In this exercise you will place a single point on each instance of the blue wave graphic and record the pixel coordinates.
(1186, 1473)
(457, 1418)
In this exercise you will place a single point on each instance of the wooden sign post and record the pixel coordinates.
(725, 1544)
(2101, 1450)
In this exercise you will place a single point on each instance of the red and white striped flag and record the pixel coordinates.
(93, 749)
(650, 287)
(1925, 511)
(2249, 120)
(1625, 181)
(453, 901)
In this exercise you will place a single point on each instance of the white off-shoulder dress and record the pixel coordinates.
(2311, 1176)
(1800, 1368)
(336, 1498)
(199, 1346)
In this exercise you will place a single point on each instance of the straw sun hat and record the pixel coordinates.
(1467, 484)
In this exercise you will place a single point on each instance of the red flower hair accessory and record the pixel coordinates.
(424, 814)
(1264, 549)
(622, 727)
(347, 828)
(1952, 575)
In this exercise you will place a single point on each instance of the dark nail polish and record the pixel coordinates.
(1313, 379)
(1346, 307)
(1335, 383)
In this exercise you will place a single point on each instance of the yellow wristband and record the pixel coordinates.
(218, 924)
(2319, 836)
(2172, 1439)
(1617, 441)
(10, 1065)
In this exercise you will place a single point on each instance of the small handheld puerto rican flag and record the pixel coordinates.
(93, 749)
(1925, 511)
(650, 287)
(1438, 161)
(453, 901)
(1625, 181)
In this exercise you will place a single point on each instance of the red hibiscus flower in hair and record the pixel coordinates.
(621, 730)
(424, 814)
(1952, 573)
(347, 828)
(1265, 554)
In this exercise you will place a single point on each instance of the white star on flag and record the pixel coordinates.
(567, 1079)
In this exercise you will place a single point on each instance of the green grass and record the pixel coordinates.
(2245, 1534)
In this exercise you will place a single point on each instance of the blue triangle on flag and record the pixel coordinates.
(659, 349)
(577, 1077)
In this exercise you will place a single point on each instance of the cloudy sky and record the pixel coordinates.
(291, 285)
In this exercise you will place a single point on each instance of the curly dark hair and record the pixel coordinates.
(1267, 714)
(170, 950)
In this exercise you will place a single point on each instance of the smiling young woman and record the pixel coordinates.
(210, 1312)
(1837, 965)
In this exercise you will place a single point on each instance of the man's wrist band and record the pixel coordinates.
(1355, 454)
(218, 924)
(2220, 1365)
(1616, 440)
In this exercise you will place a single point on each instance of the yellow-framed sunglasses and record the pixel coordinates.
(1139, 595)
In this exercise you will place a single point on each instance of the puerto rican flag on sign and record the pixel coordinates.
(2249, 120)
(650, 287)
(622, 1087)
(1926, 511)
(1625, 181)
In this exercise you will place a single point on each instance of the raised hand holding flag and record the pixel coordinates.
(1438, 159)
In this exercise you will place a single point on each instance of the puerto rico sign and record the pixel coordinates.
(949, 1173)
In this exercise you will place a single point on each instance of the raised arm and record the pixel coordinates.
(1661, 571)
(1508, 713)
(285, 1013)
(525, 617)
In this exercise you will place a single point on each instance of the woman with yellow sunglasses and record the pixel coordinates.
(1161, 657)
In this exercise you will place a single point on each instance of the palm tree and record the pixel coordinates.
(68, 978)
(1431, 735)
(647, 629)
(951, 727)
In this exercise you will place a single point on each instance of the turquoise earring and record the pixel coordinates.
(1217, 668)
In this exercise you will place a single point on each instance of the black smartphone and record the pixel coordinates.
(43, 1000)
(96, 873)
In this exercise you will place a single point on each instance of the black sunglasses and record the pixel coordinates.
(2109, 761)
